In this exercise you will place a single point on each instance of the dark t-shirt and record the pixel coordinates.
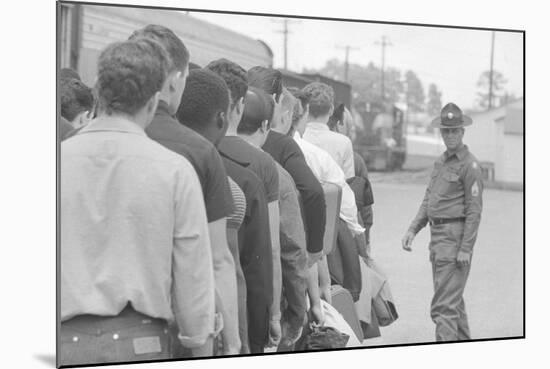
(254, 250)
(256, 160)
(204, 157)
(288, 154)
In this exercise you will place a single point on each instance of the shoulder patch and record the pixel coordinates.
(474, 164)
(475, 189)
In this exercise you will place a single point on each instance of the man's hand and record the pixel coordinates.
(318, 317)
(274, 333)
(324, 292)
(463, 259)
(312, 258)
(407, 240)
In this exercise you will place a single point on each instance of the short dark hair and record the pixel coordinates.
(268, 79)
(194, 66)
(75, 97)
(258, 107)
(178, 53)
(68, 73)
(337, 116)
(129, 74)
(300, 106)
(234, 76)
(205, 95)
(320, 98)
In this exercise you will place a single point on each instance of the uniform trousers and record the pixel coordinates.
(448, 309)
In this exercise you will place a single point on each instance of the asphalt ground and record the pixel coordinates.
(494, 293)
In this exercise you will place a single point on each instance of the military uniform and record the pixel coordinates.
(452, 206)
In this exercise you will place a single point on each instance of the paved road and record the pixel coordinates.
(494, 294)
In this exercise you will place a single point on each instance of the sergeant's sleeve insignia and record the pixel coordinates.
(475, 189)
(474, 165)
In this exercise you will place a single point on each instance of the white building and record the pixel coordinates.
(496, 139)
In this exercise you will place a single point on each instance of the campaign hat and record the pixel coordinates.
(451, 117)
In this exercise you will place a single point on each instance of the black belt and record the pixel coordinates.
(437, 221)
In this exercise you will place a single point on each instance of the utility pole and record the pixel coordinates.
(285, 33)
(491, 71)
(346, 63)
(385, 42)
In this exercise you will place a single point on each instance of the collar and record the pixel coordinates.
(162, 109)
(113, 124)
(229, 147)
(460, 154)
(317, 126)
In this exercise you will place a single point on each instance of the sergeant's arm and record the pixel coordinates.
(473, 188)
(421, 218)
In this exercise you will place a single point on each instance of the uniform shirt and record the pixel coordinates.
(206, 160)
(336, 144)
(288, 154)
(127, 234)
(293, 250)
(455, 191)
(254, 250)
(255, 159)
(326, 169)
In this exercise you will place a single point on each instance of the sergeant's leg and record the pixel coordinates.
(449, 283)
(463, 327)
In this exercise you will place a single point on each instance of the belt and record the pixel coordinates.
(437, 221)
(95, 324)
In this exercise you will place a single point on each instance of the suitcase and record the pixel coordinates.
(342, 301)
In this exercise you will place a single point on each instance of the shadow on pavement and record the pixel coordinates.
(48, 359)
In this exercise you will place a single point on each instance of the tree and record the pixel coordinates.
(365, 81)
(434, 100)
(484, 86)
(414, 93)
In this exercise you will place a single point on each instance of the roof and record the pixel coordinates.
(190, 28)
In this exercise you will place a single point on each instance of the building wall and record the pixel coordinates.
(482, 137)
(102, 25)
(509, 167)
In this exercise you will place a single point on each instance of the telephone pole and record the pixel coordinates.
(383, 44)
(346, 63)
(491, 71)
(285, 33)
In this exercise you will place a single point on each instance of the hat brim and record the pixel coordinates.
(466, 121)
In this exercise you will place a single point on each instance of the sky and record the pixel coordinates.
(453, 59)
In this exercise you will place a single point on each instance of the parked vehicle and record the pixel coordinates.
(381, 138)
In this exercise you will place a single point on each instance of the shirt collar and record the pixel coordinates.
(460, 154)
(317, 126)
(162, 109)
(113, 124)
(229, 147)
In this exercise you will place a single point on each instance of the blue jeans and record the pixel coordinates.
(129, 336)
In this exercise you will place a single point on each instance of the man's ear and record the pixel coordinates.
(265, 125)
(153, 103)
(220, 119)
(240, 105)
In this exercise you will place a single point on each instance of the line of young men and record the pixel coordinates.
(192, 214)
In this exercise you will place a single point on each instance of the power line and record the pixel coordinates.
(346, 65)
(383, 44)
(491, 71)
(285, 33)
